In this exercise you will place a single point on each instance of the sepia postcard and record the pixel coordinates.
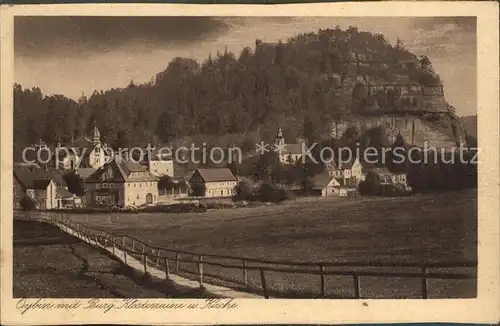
(250, 164)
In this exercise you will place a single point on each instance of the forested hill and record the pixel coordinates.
(301, 85)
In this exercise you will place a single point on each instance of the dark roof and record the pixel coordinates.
(82, 146)
(63, 193)
(41, 184)
(292, 149)
(129, 166)
(216, 175)
(27, 175)
(122, 171)
(321, 180)
(56, 176)
(340, 181)
(84, 173)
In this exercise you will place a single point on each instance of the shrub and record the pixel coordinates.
(271, 193)
(371, 185)
(28, 203)
(243, 190)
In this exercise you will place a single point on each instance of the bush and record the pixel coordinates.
(27, 203)
(243, 190)
(370, 186)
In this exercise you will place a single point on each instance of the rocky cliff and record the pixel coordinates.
(415, 129)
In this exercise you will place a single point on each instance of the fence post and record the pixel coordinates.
(424, 283)
(167, 272)
(145, 263)
(124, 255)
(357, 294)
(263, 281)
(123, 242)
(113, 241)
(177, 262)
(245, 273)
(323, 284)
(200, 270)
(158, 259)
(133, 244)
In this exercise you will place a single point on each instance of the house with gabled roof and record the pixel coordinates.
(324, 185)
(121, 183)
(46, 188)
(213, 182)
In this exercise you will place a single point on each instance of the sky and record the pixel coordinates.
(77, 55)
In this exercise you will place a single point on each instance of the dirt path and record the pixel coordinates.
(50, 263)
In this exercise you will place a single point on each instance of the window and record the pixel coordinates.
(137, 196)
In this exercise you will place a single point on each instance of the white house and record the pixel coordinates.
(325, 185)
(121, 183)
(160, 165)
(219, 182)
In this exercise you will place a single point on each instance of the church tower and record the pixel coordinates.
(279, 140)
(96, 135)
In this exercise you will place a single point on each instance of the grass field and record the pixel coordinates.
(423, 228)
(49, 263)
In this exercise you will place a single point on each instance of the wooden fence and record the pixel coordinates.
(170, 260)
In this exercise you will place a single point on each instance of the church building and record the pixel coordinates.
(85, 153)
(287, 153)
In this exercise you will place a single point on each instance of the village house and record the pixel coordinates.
(325, 185)
(47, 189)
(121, 183)
(287, 153)
(350, 172)
(218, 182)
(333, 171)
(388, 178)
(160, 164)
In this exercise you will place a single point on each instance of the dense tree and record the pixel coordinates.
(27, 203)
(75, 183)
(371, 185)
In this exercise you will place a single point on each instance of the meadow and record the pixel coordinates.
(417, 229)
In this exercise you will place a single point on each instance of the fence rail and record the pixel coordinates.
(157, 257)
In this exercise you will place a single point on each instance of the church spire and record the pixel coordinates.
(279, 140)
(96, 135)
